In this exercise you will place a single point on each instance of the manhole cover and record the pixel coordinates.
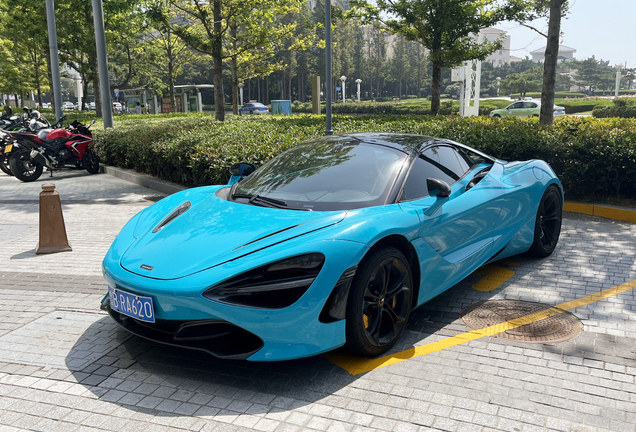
(557, 328)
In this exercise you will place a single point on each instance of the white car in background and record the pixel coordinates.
(68, 106)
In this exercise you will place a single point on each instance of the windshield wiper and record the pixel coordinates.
(265, 201)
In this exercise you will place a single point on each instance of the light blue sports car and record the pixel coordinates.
(333, 242)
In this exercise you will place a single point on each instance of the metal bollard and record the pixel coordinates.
(52, 230)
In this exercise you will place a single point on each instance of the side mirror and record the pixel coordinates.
(242, 169)
(438, 188)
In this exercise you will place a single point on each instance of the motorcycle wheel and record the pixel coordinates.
(90, 162)
(23, 167)
(4, 165)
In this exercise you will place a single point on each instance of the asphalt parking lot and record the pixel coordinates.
(64, 365)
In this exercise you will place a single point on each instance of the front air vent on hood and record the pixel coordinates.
(172, 216)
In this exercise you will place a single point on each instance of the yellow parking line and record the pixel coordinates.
(357, 365)
(496, 276)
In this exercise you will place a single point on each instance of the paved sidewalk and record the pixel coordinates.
(64, 365)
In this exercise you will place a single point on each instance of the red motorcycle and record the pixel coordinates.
(54, 149)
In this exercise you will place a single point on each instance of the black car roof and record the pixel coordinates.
(407, 142)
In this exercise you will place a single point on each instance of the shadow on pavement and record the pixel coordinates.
(143, 375)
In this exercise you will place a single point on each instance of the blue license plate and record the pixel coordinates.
(132, 305)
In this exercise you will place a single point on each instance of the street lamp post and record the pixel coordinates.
(343, 79)
(358, 81)
(498, 83)
(240, 86)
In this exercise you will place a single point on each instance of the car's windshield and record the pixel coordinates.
(335, 173)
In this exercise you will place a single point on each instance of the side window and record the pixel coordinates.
(517, 105)
(447, 162)
(415, 184)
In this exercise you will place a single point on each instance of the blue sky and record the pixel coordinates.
(603, 28)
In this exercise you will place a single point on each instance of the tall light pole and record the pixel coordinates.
(343, 79)
(55, 61)
(328, 83)
(358, 81)
(498, 84)
(240, 86)
(102, 63)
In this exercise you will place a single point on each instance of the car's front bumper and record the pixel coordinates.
(288, 333)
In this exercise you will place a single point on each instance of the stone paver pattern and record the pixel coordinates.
(65, 365)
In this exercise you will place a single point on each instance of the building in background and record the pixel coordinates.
(501, 56)
(565, 53)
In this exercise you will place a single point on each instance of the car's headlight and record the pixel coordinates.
(272, 286)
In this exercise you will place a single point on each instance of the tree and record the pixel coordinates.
(399, 65)
(550, 62)
(76, 38)
(554, 10)
(521, 83)
(419, 65)
(446, 28)
(227, 29)
(593, 73)
(164, 53)
(29, 41)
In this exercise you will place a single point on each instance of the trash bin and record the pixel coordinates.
(281, 107)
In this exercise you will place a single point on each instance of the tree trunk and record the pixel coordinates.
(550, 63)
(36, 71)
(235, 82)
(173, 97)
(217, 55)
(234, 67)
(98, 99)
(437, 77)
(85, 89)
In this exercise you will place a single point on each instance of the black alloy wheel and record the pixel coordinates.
(379, 302)
(90, 162)
(4, 164)
(23, 167)
(547, 227)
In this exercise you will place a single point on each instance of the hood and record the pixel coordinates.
(213, 231)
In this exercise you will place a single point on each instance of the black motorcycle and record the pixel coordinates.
(30, 122)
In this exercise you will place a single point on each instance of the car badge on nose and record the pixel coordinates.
(147, 267)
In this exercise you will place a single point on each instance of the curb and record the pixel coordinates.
(608, 212)
(150, 182)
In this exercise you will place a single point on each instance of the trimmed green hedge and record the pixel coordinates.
(419, 107)
(593, 158)
(620, 107)
(573, 106)
(559, 94)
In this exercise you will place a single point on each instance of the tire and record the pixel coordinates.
(378, 307)
(23, 167)
(90, 162)
(496, 116)
(4, 165)
(547, 226)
